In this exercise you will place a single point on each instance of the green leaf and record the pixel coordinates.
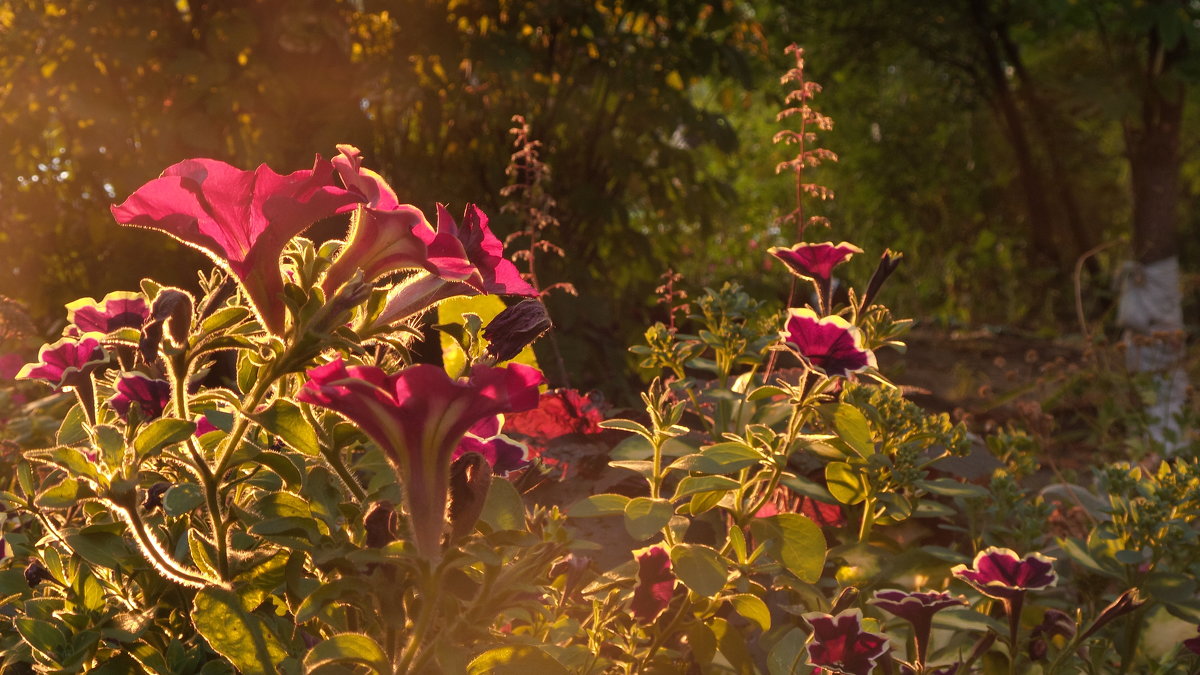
(41, 635)
(753, 608)
(644, 517)
(628, 425)
(794, 541)
(700, 568)
(285, 420)
(732, 645)
(694, 484)
(72, 429)
(282, 466)
(642, 467)
(223, 318)
(606, 504)
(111, 443)
(515, 660)
(846, 482)
(70, 459)
(182, 498)
(703, 501)
(950, 487)
(853, 428)
(160, 433)
(786, 656)
(231, 631)
(348, 648)
(722, 458)
(333, 591)
(503, 508)
(63, 495)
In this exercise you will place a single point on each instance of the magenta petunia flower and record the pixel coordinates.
(1001, 573)
(839, 643)
(418, 416)
(470, 261)
(373, 188)
(119, 309)
(151, 395)
(829, 343)
(240, 219)
(917, 609)
(815, 261)
(502, 453)
(656, 583)
(67, 363)
(1193, 644)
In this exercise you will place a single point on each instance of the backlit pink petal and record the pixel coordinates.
(119, 309)
(66, 363)
(241, 219)
(829, 343)
(502, 453)
(493, 272)
(381, 243)
(373, 188)
(418, 416)
(815, 261)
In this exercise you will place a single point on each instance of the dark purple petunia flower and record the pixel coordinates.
(418, 416)
(240, 219)
(829, 343)
(502, 453)
(152, 396)
(917, 609)
(839, 643)
(67, 363)
(1001, 573)
(1193, 644)
(815, 261)
(119, 309)
(656, 583)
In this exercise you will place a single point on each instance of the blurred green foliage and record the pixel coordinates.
(656, 118)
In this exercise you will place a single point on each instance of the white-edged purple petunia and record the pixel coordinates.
(829, 343)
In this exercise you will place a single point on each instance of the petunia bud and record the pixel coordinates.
(36, 573)
(470, 478)
(172, 310)
(887, 264)
(516, 327)
(1124, 604)
(380, 524)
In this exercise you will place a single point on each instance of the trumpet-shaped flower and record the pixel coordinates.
(67, 363)
(240, 219)
(418, 416)
(151, 395)
(839, 643)
(656, 583)
(815, 261)
(917, 609)
(1002, 574)
(119, 309)
(502, 453)
(373, 188)
(829, 343)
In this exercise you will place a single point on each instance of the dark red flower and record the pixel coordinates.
(828, 343)
(151, 395)
(1001, 573)
(1193, 644)
(917, 609)
(839, 643)
(656, 583)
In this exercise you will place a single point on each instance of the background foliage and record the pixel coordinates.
(984, 139)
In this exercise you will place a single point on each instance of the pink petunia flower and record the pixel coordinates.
(829, 343)
(151, 395)
(67, 363)
(418, 416)
(240, 219)
(918, 609)
(119, 309)
(1002, 574)
(815, 261)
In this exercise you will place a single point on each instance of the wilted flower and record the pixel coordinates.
(839, 643)
(917, 609)
(1001, 573)
(829, 343)
(1055, 623)
(151, 395)
(154, 495)
(119, 309)
(240, 219)
(502, 453)
(470, 478)
(36, 572)
(380, 524)
(418, 416)
(515, 327)
(656, 583)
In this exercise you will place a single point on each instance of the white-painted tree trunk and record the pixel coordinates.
(1150, 310)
